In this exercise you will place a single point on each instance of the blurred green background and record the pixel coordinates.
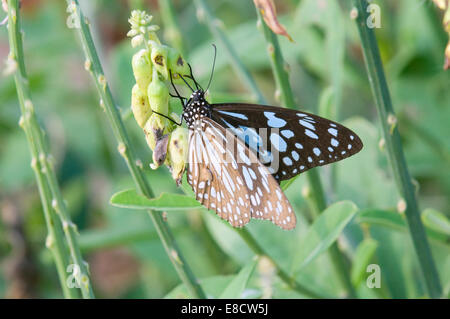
(125, 255)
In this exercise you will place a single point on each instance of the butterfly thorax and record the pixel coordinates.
(196, 108)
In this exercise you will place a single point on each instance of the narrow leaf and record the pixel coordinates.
(130, 199)
(396, 221)
(324, 232)
(382, 217)
(364, 254)
(436, 221)
(236, 287)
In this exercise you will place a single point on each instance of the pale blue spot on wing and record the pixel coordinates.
(334, 142)
(311, 134)
(316, 151)
(287, 133)
(332, 131)
(278, 142)
(287, 161)
(307, 125)
(233, 114)
(274, 121)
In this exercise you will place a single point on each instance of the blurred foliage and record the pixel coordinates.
(125, 255)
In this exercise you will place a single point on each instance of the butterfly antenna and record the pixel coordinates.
(214, 64)
(176, 91)
(197, 85)
(186, 82)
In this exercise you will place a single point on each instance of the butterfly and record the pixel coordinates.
(239, 153)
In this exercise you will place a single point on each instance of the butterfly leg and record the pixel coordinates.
(182, 99)
(169, 118)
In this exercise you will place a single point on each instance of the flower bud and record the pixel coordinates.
(137, 40)
(446, 21)
(142, 68)
(140, 106)
(160, 150)
(177, 65)
(154, 129)
(178, 152)
(158, 95)
(159, 59)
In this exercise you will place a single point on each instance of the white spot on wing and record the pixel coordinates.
(248, 180)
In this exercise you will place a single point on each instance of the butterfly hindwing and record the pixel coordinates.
(227, 177)
(299, 140)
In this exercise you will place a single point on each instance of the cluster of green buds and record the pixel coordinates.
(445, 6)
(152, 67)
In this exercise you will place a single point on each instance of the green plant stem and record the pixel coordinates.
(171, 28)
(125, 149)
(213, 24)
(56, 217)
(317, 192)
(394, 149)
(290, 281)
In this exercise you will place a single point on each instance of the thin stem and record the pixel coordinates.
(44, 172)
(125, 149)
(278, 64)
(287, 97)
(213, 23)
(394, 149)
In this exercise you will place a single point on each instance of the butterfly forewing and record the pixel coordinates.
(299, 140)
(228, 178)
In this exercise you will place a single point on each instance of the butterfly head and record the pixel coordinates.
(197, 97)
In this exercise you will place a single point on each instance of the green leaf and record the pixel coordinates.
(323, 233)
(286, 184)
(165, 201)
(382, 217)
(396, 221)
(364, 253)
(238, 284)
(436, 221)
